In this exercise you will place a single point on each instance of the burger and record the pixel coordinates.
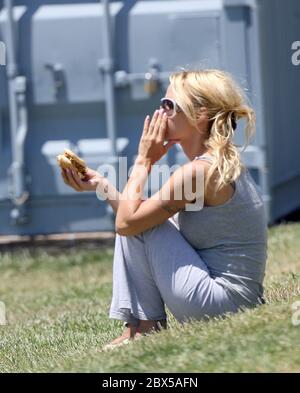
(70, 160)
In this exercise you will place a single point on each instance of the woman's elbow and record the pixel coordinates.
(125, 229)
(120, 228)
(121, 231)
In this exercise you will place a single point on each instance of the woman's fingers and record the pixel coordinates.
(146, 125)
(64, 176)
(158, 122)
(77, 180)
(70, 177)
(153, 123)
(156, 126)
(162, 127)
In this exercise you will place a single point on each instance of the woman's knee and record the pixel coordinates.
(209, 301)
(158, 232)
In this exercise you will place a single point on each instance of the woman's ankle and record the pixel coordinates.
(148, 326)
(130, 330)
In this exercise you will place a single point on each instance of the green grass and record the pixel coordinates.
(57, 313)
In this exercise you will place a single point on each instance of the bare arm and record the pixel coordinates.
(183, 190)
(131, 197)
(93, 181)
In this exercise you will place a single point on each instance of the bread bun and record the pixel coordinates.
(70, 160)
(72, 156)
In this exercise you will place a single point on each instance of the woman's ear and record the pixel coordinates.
(202, 115)
(203, 110)
(202, 119)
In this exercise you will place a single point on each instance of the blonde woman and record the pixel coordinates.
(209, 261)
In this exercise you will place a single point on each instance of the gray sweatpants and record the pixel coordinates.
(159, 267)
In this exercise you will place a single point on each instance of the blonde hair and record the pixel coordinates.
(226, 104)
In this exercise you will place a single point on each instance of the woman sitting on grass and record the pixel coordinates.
(203, 262)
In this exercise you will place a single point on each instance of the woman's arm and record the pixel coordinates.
(133, 216)
(131, 197)
(151, 149)
(183, 188)
(93, 181)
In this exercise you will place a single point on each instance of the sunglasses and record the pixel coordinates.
(170, 107)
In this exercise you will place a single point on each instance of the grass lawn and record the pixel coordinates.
(57, 318)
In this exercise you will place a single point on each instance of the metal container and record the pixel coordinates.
(84, 74)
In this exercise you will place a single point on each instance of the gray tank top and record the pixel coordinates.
(232, 239)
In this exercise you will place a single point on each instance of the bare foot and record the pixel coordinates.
(127, 336)
(136, 332)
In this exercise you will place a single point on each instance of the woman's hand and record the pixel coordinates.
(151, 145)
(89, 183)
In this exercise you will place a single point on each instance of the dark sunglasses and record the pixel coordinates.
(169, 106)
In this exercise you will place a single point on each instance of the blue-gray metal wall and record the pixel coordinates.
(68, 83)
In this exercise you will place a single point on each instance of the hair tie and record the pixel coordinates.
(233, 122)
